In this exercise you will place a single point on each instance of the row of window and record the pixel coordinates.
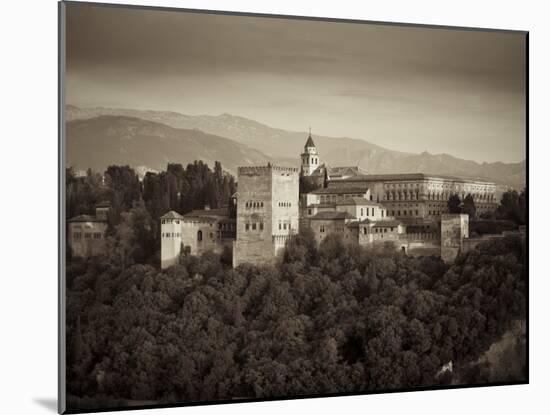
(171, 234)
(166, 221)
(335, 198)
(284, 225)
(432, 196)
(178, 235)
(402, 196)
(313, 160)
(253, 205)
(285, 204)
(226, 226)
(404, 212)
(379, 230)
(432, 186)
(254, 226)
(400, 185)
(404, 205)
(88, 235)
(366, 210)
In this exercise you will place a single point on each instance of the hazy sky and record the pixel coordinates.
(405, 88)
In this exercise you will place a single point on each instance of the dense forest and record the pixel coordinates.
(326, 319)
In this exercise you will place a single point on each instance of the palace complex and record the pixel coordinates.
(406, 210)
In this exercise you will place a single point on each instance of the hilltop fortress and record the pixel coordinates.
(406, 210)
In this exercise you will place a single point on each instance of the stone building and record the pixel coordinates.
(357, 219)
(454, 229)
(195, 233)
(406, 209)
(410, 197)
(267, 212)
(333, 222)
(409, 210)
(318, 173)
(86, 233)
(381, 231)
(310, 157)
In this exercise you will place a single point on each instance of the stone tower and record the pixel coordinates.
(310, 157)
(170, 228)
(267, 212)
(454, 228)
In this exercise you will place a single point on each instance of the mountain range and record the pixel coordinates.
(98, 136)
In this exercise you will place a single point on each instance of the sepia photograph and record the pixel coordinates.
(260, 207)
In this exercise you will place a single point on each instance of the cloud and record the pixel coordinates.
(344, 78)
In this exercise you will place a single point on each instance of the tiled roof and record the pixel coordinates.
(354, 170)
(85, 218)
(208, 214)
(338, 172)
(319, 171)
(171, 215)
(340, 190)
(322, 205)
(361, 201)
(382, 223)
(333, 215)
(407, 176)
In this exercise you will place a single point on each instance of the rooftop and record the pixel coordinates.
(361, 201)
(208, 214)
(340, 190)
(407, 176)
(322, 205)
(309, 142)
(332, 215)
(86, 218)
(382, 223)
(171, 215)
(338, 172)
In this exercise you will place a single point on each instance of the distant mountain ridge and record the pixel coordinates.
(145, 145)
(285, 146)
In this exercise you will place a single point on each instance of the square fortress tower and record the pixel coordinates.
(454, 228)
(267, 212)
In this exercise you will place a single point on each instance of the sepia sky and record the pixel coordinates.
(405, 88)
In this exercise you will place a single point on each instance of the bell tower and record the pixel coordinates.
(310, 157)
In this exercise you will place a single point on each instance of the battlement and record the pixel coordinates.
(264, 170)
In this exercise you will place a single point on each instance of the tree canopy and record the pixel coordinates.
(330, 319)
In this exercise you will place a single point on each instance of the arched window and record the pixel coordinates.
(199, 236)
